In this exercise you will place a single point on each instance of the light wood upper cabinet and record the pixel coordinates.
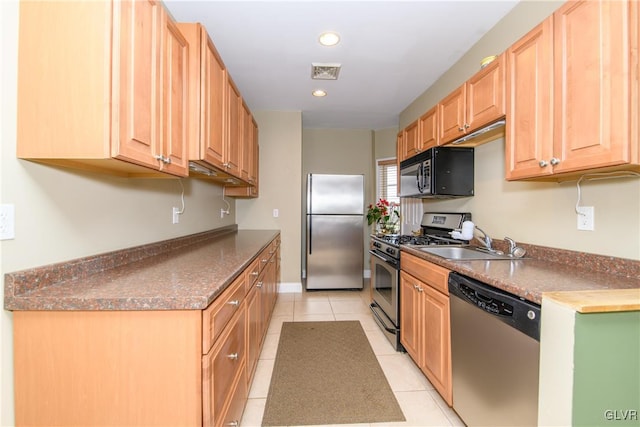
(592, 84)
(428, 132)
(451, 115)
(175, 89)
(234, 128)
(140, 83)
(572, 92)
(93, 92)
(485, 95)
(529, 127)
(410, 140)
(223, 135)
(476, 103)
(207, 97)
(246, 146)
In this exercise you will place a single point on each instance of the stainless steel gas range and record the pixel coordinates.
(385, 266)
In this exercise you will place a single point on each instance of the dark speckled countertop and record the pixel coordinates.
(186, 273)
(545, 270)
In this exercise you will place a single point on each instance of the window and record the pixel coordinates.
(387, 185)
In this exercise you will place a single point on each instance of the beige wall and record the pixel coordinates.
(280, 140)
(340, 151)
(384, 143)
(534, 212)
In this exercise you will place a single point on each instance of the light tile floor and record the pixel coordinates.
(420, 403)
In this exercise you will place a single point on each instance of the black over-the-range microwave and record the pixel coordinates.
(440, 172)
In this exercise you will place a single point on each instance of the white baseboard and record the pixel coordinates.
(289, 287)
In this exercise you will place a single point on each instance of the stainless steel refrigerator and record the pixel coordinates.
(335, 221)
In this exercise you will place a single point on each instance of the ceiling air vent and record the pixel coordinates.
(325, 71)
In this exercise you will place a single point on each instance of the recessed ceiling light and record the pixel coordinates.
(319, 93)
(329, 39)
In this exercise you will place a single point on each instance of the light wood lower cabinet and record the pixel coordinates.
(145, 368)
(424, 320)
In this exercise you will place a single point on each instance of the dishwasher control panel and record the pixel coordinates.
(517, 312)
(487, 303)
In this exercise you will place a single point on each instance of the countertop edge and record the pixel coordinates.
(504, 274)
(52, 287)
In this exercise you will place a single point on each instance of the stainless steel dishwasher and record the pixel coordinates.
(495, 352)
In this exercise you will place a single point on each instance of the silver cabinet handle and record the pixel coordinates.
(461, 129)
(254, 273)
(265, 260)
(234, 302)
(543, 163)
(233, 356)
(554, 161)
(259, 285)
(466, 126)
(233, 423)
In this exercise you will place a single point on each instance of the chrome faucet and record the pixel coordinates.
(512, 244)
(486, 240)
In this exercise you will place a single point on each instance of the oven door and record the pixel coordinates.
(384, 284)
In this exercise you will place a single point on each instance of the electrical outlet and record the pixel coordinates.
(585, 218)
(222, 212)
(176, 215)
(7, 222)
(276, 213)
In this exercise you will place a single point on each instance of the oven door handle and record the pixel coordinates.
(391, 261)
(374, 309)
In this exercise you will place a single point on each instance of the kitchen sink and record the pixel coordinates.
(464, 253)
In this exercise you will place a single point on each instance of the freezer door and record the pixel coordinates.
(335, 251)
(335, 194)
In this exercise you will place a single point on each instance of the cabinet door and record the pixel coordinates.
(436, 342)
(214, 88)
(139, 85)
(253, 331)
(429, 129)
(485, 95)
(400, 148)
(234, 114)
(245, 142)
(410, 317)
(174, 98)
(410, 140)
(592, 84)
(255, 156)
(529, 128)
(221, 366)
(451, 119)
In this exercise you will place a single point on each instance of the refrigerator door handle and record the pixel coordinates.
(309, 210)
(310, 218)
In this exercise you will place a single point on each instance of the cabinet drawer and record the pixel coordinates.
(216, 316)
(432, 274)
(221, 366)
(264, 257)
(252, 273)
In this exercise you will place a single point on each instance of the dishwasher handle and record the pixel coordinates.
(517, 312)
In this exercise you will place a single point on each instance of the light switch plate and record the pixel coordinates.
(7, 222)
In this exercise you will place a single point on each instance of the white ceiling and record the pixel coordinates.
(390, 51)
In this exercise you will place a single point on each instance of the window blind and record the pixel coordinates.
(388, 180)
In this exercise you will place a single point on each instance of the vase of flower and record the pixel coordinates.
(385, 215)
